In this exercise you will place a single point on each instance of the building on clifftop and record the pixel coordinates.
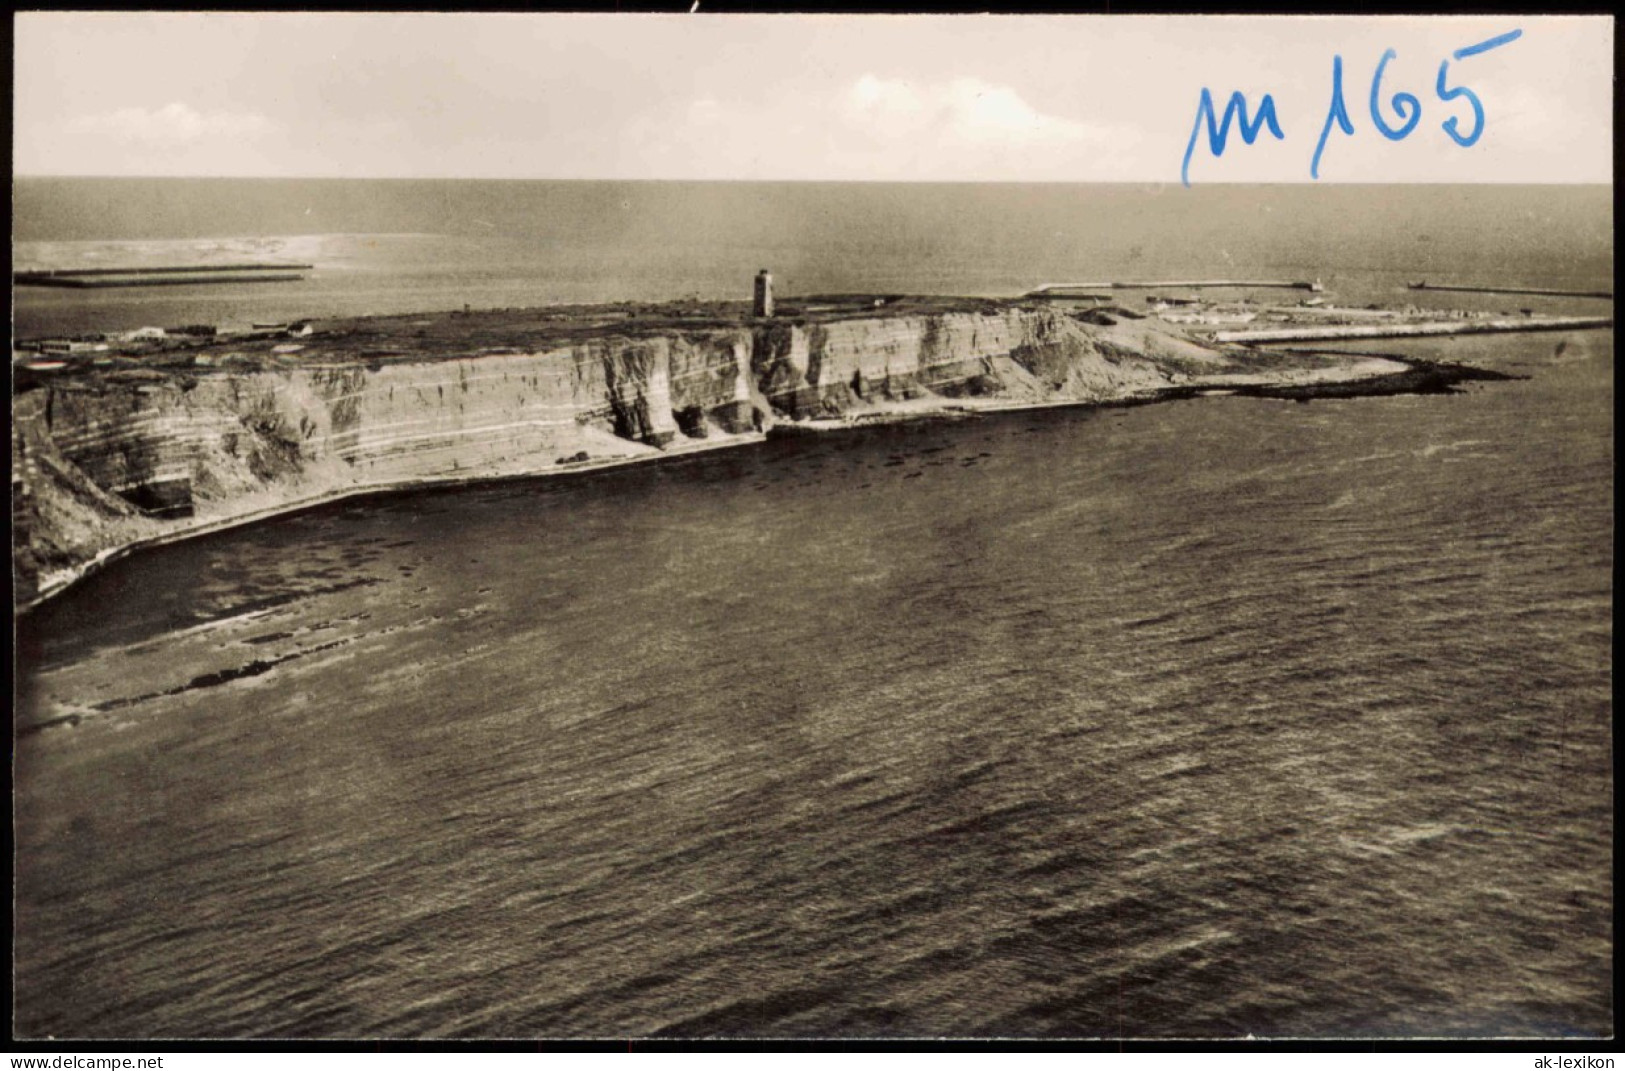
(764, 294)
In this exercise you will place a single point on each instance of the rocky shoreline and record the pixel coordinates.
(136, 442)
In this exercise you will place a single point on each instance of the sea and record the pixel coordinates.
(1197, 719)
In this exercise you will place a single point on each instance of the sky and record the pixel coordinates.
(782, 97)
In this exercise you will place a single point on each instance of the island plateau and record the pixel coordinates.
(124, 441)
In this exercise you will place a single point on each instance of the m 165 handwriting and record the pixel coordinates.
(1405, 106)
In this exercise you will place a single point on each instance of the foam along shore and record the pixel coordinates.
(164, 438)
(196, 526)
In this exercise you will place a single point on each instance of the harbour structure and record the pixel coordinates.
(1058, 289)
(185, 275)
(1606, 295)
(1415, 330)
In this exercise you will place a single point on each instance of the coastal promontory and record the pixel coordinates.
(122, 441)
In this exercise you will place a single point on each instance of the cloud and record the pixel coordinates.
(963, 113)
(175, 124)
(965, 129)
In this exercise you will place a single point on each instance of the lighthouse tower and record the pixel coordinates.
(764, 294)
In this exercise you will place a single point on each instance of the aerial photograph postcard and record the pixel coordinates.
(826, 528)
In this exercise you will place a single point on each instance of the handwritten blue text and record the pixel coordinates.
(1395, 119)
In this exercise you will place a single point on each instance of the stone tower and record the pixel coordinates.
(764, 293)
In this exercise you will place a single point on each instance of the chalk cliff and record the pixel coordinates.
(113, 459)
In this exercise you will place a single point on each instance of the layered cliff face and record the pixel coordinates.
(101, 462)
(834, 369)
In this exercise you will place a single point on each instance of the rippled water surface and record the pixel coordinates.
(1200, 718)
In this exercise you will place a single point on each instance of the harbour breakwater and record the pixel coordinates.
(140, 448)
